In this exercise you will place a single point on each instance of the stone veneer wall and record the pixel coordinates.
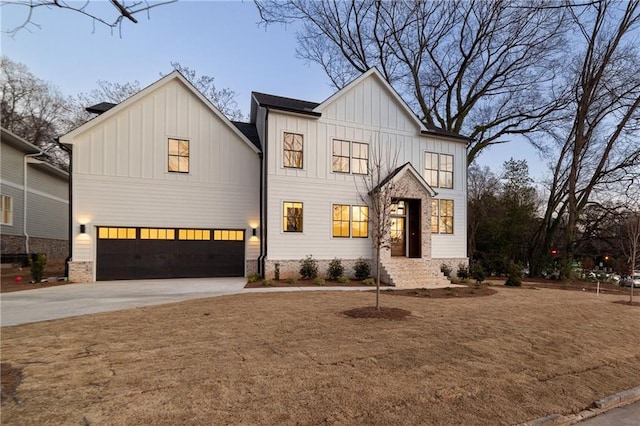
(81, 272)
(291, 268)
(56, 250)
(251, 267)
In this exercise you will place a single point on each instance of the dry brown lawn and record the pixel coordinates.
(295, 358)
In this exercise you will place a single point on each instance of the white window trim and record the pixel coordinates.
(10, 222)
(304, 150)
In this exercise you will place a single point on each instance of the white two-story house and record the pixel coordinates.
(165, 186)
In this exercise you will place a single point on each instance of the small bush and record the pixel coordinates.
(342, 279)
(308, 268)
(290, 280)
(362, 269)
(446, 269)
(514, 278)
(318, 281)
(37, 267)
(267, 283)
(253, 278)
(463, 271)
(477, 272)
(335, 270)
(369, 281)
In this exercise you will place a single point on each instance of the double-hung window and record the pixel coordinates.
(292, 217)
(350, 221)
(7, 210)
(350, 157)
(438, 170)
(178, 155)
(441, 216)
(292, 150)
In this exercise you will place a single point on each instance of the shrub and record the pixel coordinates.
(513, 280)
(290, 280)
(308, 268)
(463, 271)
(342, 279)
(369, 281)
(253, 278)
(446, 269)
(37, 267)
(362, 269)
(318, 281)
(267, 283)
(335, 270)
(477, 272)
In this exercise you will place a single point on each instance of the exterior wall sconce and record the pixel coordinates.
(253, 232)
(83, 228)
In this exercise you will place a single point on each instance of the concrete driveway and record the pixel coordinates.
(70, 300)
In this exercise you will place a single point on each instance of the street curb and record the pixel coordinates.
(598, 407)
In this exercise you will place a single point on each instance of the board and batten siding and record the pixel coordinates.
(121, 173)
(367, 113)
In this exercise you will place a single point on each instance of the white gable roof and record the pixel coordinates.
(175, 75)
(373, 73)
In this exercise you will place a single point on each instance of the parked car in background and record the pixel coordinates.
(631, 280)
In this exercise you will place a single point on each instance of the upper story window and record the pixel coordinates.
(7, 210)
(293, 150)
(350, 157)
(438, 170)
(442, 216)
(292, 217)
(178, 155)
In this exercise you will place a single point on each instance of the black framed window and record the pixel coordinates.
(178, 155)
(292, 217)
(293, 150)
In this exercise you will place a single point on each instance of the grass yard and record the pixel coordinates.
(295, 358)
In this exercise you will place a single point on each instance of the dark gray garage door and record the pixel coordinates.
(125, 253)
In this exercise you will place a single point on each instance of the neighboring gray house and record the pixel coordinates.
(41, 225)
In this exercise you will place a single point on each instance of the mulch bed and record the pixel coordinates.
(382, 313)
(307, 283)
(11, 379)
(9, 275)
(471, 290)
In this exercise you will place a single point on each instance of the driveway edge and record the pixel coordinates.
(598, 407)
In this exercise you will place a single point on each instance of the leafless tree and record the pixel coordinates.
(122, 10)
(377, 192)
(32, 109)
(598, 140)
(483, 68)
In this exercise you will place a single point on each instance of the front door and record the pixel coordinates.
(398, 231)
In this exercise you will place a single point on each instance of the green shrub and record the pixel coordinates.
(369, 281)
(318, 281)
(308, 268)
(463, 271)
(253, 278)
(342, 279)
(267, 283)
(335, 270)
(513, 280)
(446, 269)
(362, 269)
(477, 272)
(290, 280)
(37, 267)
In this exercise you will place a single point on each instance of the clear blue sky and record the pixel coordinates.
(216, 38)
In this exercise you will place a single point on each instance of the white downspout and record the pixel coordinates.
(24, 201)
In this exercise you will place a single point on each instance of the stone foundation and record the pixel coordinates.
(251, 267)
(55, 250)
(291, 268)
(81, 272)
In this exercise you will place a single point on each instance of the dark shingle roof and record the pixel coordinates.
(250, 131)
(286, 104)
(440, 131)
(100, 108)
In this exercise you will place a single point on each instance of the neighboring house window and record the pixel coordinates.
(360, 222)
(354, 160)
(340, 156)
(293, 150)
(178, 155)
(292, 220)
(350, 221)
(438, 170)
(442, 216)
(7, 210)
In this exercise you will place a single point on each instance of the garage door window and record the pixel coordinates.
(194, 234)
(117, 233)
(228, 235)
(157, 234)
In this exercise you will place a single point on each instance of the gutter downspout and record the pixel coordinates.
(263, 198)
(70, 218)
(24, 201)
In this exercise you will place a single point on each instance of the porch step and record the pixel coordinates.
(404, 272)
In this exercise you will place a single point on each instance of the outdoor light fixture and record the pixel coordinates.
(253, 232)
(83, 228)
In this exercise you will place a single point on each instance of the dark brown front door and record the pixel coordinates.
(415, 230)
